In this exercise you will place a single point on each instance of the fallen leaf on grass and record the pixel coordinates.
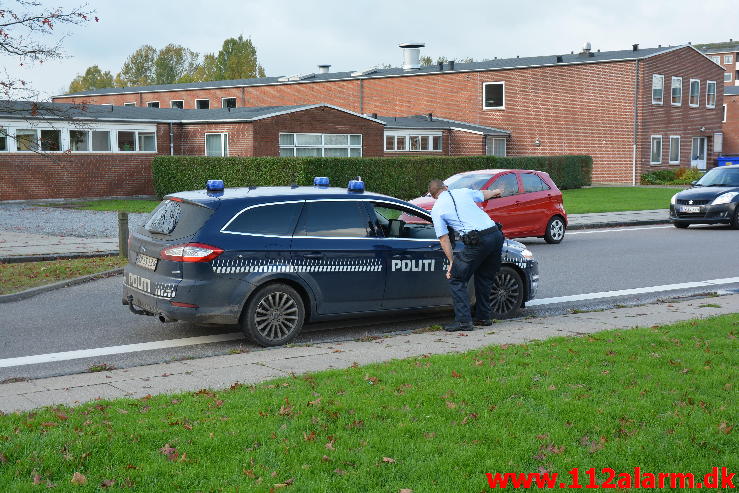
(285, 484)
(107, 483)
(170, 452)
(389, 460)
(340, 472)
(78, 478)
(725, 428)
(405, 490)
(456, 375)
(309, 437)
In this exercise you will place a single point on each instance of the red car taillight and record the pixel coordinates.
(191, 252)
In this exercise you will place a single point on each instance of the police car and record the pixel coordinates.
(273, 258)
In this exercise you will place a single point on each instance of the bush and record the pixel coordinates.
(400, 177)
(680, 176)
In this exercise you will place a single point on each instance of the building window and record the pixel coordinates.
(51, 140)
(728, 59)
(3, 139)
(216, 144)
(126, 141)
(152, 104)
(429, 142)
(723, 120)
(177, 103)
(495, 146)
(202, 104)
(727, 77)
(493, 95)
(100, 141)
(321, 145)
(658, 84)
(130, 103)
(26, 140)
(716, 58)
(147, 142)
(676, 89)
(711, 94)
(228, 102)
(656, 150)
(674, 149)
(79, 140)
(695, 92)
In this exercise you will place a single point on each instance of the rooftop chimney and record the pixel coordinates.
(559, 58)
(323, 69)
(451, 64)
(412, 55)
(635, 47)
(430, 117)
(587, 50)
(441, 66)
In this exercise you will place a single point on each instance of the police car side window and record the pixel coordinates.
(507, 183)
(532, 183)
(334, 218)
(271, 219)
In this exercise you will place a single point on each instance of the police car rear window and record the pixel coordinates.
(176, 219)
(271, 220)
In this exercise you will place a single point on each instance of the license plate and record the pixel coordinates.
(146, 261)
(688, 208)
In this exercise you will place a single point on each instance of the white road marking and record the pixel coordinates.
(633, 291)
(233, 336)
(126, 348)
(614, 230)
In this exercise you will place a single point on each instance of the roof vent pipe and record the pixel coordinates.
(559, 59)
(441, 66)
(374, 115)
(587, 47)
(412, 55)
(430, 117)
(451, 64)
(635, 47)
(323, 69)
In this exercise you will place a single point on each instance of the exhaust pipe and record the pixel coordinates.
(164, 319)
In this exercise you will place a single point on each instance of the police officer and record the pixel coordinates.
(483, 241)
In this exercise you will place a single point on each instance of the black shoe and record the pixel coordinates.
(483, 322)
(457, 326)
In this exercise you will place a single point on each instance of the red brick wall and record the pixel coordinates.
(26, 176)
(731, 126)
(317, 120)
(728, 67)
(683, 120)
(190, 138)
(467, 144)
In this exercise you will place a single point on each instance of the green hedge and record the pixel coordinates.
(405, 177)
(680, 176)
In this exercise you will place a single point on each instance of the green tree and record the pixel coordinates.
(237, 59)
(94, 78)
(175, 63)
(207, 69)
(138, 69)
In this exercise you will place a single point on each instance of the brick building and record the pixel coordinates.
(724, 54)
(62, 151)
(731, 120)
(617, 106)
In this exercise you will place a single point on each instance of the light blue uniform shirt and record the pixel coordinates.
(470, 215)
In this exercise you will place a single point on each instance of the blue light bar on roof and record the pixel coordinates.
(214, 186)
(321, 181)
(356, 185)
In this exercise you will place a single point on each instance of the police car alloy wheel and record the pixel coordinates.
(274, 315)
(507, 295)
(555, 230)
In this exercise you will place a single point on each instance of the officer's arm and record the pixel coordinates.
(489, 194)
(446, 245)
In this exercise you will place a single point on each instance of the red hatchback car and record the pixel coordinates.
(531, 204)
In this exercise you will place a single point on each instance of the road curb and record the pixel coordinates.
(619, 224)
(28, 293)
(55, 256)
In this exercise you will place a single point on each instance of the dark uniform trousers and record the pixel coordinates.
(482, 261)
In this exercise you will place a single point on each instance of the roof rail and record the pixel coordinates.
(364, 72)
(296, 77)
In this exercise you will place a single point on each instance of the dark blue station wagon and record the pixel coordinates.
(272, 258)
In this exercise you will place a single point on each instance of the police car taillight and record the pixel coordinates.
(191, 252)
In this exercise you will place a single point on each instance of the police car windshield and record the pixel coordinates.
(474, 181)
(720, 177)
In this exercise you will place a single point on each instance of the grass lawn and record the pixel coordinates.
(615, 199)
(661, 398)
(133, 205)
(24, 275)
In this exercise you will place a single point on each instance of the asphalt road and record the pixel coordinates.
(91, 316)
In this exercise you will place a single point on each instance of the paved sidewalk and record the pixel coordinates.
(221, 372)
(17, 245)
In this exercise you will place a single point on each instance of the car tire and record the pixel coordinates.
(735, 218)
(681, 225)
(274, 315)
(508, 291)
(555, 231)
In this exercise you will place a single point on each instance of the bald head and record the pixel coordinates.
(436, 187)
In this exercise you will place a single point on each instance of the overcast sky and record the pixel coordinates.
(293, 36)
